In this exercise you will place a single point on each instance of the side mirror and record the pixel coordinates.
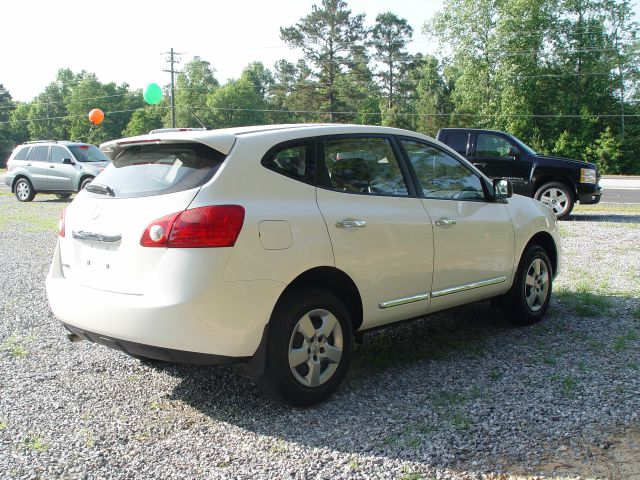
(68, 161)
(514, 153)
(502, 189)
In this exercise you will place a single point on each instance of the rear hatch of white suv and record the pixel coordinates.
(116, 232)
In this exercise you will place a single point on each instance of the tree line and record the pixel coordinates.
(560, 74)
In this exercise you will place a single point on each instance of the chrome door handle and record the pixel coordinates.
(480, 164)
(443, 222)
(52, 166)
(29, 164)
(348, 224)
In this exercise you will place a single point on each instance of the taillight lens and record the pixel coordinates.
(61, 223)
(215, 226)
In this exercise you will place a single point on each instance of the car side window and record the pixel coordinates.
(58, 154)
(363, 165)
(441, 175)
(22, 153)
(489, 145)
(294, 160)
(40, 153)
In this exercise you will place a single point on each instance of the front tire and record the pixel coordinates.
(86, 182)
(528, 299)
(309, 348)
(24, 190)
(558, 197)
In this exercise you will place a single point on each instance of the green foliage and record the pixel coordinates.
(605, 153)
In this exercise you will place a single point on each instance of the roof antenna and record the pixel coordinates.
(196, 117)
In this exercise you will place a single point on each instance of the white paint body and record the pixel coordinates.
(218, 300)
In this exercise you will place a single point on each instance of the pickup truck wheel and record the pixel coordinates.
(24, 190)
(309, 348)
(558, 197)
(529, 297)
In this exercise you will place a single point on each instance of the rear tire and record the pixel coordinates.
(63, 196)
(558, 197)
(309, 348)
(528, 299)
(24, 190)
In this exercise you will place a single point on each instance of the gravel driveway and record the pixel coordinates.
(459, 395)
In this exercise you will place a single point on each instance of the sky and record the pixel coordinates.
(123, 41)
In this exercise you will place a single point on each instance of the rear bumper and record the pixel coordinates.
(223, 323)
(157, 353)
(589, 194)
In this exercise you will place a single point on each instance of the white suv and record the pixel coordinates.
(274, 246)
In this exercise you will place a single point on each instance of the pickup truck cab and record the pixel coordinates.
(558, 182)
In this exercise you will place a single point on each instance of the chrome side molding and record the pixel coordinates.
(468, 286)
(404, 301)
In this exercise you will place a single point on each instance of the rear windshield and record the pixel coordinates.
(145, 170)
(88, 153)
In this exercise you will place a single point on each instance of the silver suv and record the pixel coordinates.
(49, 166)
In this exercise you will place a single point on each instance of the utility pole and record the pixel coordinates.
(172, 60)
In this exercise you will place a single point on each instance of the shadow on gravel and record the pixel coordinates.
(445, 391)
(605, 217)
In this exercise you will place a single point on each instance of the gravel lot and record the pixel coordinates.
(460, 395)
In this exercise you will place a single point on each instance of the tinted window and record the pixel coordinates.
(22, 153)
(363, 165)
(292, 160)
(145, 170)
(39, 154)
(441, 175)
(458, 141)
(58, 154)
(88, 153)
(492, 146)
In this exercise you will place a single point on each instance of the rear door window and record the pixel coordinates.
(145, 170)
(363, 165)
(39, 154)
(458, 141)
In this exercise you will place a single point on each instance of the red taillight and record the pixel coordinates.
(61, 223)
(215, 226)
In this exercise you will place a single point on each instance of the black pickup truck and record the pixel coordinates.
(558, 182)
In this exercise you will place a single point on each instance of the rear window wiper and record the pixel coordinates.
(100, 189)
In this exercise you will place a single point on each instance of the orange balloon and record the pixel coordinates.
(96, 116)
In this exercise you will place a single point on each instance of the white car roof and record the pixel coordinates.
(223, 139)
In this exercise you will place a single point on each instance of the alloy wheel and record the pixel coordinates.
(315, 348)
(536, 284)
(556, 199)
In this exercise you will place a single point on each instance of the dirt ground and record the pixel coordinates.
(615, 457)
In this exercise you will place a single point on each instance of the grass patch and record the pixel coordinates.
(35, 443)
(584, 302)
(621, 342)
(608, 208)
(15, 345)
(31, 216)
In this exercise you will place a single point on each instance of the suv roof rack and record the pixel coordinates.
(40, 141)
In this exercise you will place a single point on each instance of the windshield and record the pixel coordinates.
(88, 153)
(145, 170)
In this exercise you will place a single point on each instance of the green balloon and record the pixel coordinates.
(152, 94)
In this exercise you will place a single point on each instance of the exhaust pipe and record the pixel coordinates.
(72, 337)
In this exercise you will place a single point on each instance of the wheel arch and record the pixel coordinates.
(18, 177)
(545, 240)
(83, 178)
(331, 279)
(335, 281)
(539, 181)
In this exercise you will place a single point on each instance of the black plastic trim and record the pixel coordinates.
(153, 352)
